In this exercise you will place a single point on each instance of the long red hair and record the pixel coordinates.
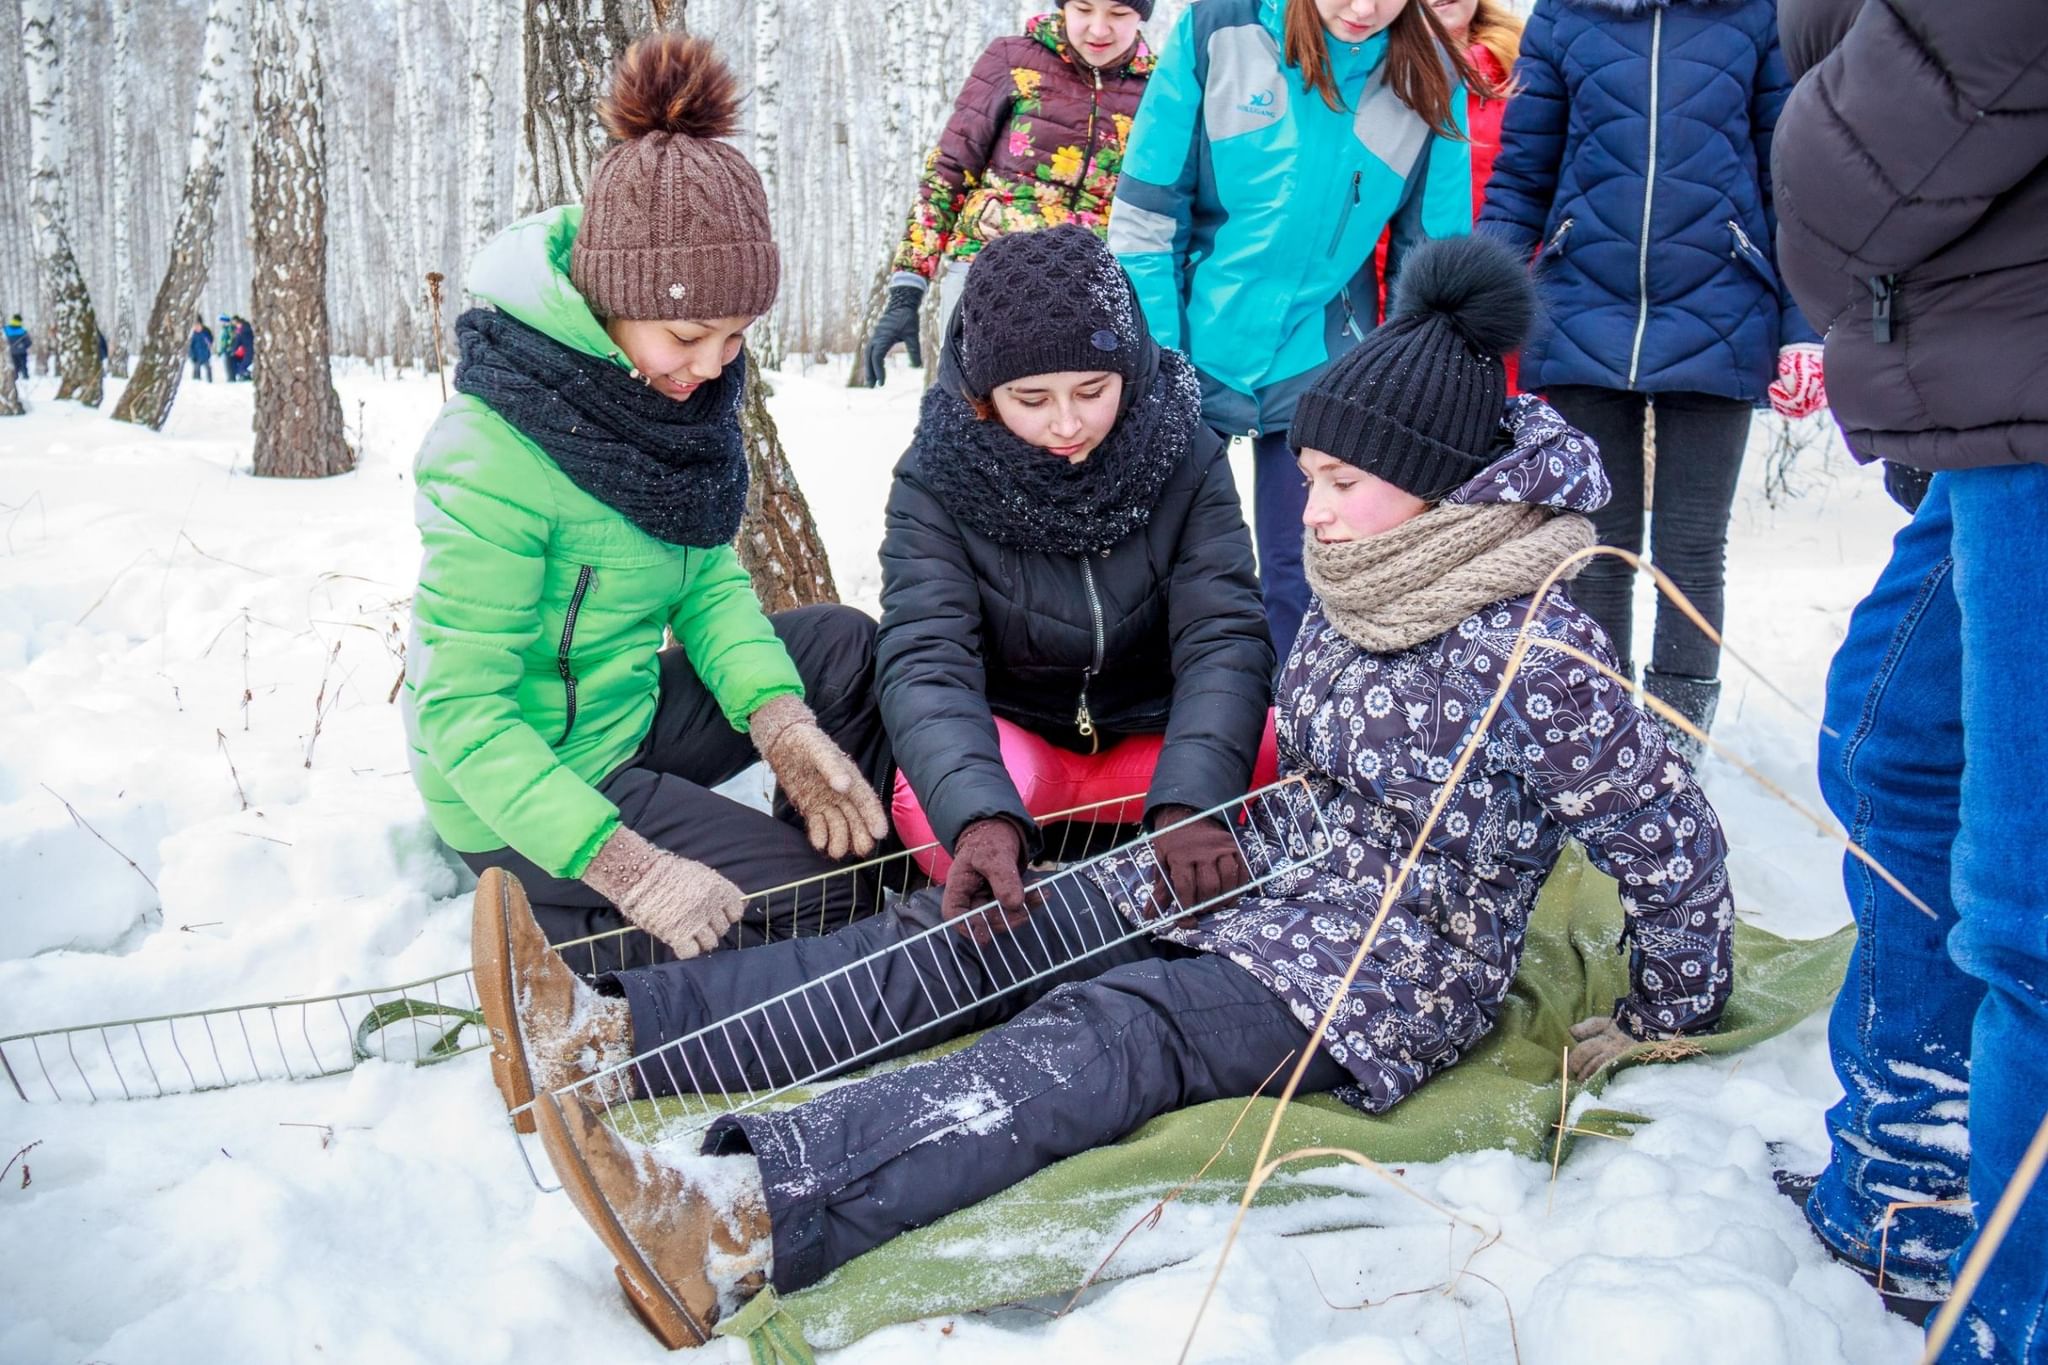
(1418, 50)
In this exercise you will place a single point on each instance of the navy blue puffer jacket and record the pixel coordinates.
(1636, 155)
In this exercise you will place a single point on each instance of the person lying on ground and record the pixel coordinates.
(1437, 512)
(1066, 568)
(577, 500)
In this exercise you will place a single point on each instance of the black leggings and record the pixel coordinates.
(1700, 440)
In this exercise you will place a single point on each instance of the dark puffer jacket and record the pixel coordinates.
(1036, 139)
(1912, 171)
(1162, 632)
(1569, 756)
(1635, 153)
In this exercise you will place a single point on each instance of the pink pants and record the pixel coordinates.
(1051, 780)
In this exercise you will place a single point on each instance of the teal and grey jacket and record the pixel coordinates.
(1248, 208)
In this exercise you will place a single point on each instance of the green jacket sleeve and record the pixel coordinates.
(727, 638)
(477, 610)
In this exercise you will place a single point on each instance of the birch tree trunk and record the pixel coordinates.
(121, 336)
(10, 399)
(778, 543)
(480, 201)
(768, 151)
(147, 399)
(68, 327)
(298, 417)
(413, 108)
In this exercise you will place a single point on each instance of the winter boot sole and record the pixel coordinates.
(657, 1307)
(499, 896)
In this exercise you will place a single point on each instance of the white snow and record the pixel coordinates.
(201, 662)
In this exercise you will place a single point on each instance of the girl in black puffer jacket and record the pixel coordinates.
(1066, 564)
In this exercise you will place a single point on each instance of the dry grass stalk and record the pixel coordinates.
(1524, 641)
(86, 825)
(223, 741)
(1989, 1239)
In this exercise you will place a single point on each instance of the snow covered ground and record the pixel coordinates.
(201, 664)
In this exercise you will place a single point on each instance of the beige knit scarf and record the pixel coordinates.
(1401, 587)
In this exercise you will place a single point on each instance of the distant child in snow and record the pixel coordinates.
(18, 343)
(200, 349)
(1036, 139)
(1067, 580)
(577, 499)
(1436, 508)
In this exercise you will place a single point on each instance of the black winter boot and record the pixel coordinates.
(1694, 698)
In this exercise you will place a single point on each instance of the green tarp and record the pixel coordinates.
(1055, 1227)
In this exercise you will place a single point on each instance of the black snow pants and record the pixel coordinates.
(1700, 440)
(1070, 1063)
(664, 794)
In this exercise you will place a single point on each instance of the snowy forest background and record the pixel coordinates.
(424, 107)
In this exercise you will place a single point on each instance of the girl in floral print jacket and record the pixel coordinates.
(1036, 139)
(1435, 511)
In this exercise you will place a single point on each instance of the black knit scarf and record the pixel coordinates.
(677, 469)
(1018, 494)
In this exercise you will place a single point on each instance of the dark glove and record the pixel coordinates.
(898, 323)
(1200, 859)
(986, 861)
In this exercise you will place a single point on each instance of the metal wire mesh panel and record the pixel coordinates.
(429, 1020)
(832, 900)
(423, 1021)
(844, 1019)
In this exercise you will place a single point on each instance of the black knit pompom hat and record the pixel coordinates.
(1143, 7)
(1419, 401)
(1047, 302)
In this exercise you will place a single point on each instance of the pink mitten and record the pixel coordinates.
(1802, 389)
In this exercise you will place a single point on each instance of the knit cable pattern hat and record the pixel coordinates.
(675, 223)
(1419, 401)
(1047, 302)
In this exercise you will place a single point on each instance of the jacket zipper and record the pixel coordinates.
(1344, 217)
(1635, 357)
(1083, 721)
(1088, 153)
(1747, 247)
(1556, 239)
(585, 576)
(1883, 289)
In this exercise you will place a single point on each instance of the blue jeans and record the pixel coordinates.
(1935, 766)
(1278, 499)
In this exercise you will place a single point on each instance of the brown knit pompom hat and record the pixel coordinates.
(675, 223)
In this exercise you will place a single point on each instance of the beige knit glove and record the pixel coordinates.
(685, 904)
(841, 812)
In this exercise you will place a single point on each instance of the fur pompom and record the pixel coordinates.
(1478, 285)
(667, 83)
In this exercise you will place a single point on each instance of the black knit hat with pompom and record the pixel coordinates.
(1047, 302)
(1419, 401)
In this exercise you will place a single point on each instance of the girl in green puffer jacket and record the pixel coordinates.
(577, 500)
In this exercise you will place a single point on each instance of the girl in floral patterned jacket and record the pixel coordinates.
(1437, 508)
(1036, 139)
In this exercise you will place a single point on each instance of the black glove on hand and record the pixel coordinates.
(1200, 860)
(986, 862)
(898, 323)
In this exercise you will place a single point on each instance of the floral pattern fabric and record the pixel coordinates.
(1569, 755)
(1036, 139)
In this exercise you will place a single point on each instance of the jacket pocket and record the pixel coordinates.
(585, 576)
(1745, 251)
(1555, 246)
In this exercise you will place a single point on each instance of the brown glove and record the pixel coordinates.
(1596, 1043)
(842, 814)
(685, 904)
(1200, 859)
(987, 858)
